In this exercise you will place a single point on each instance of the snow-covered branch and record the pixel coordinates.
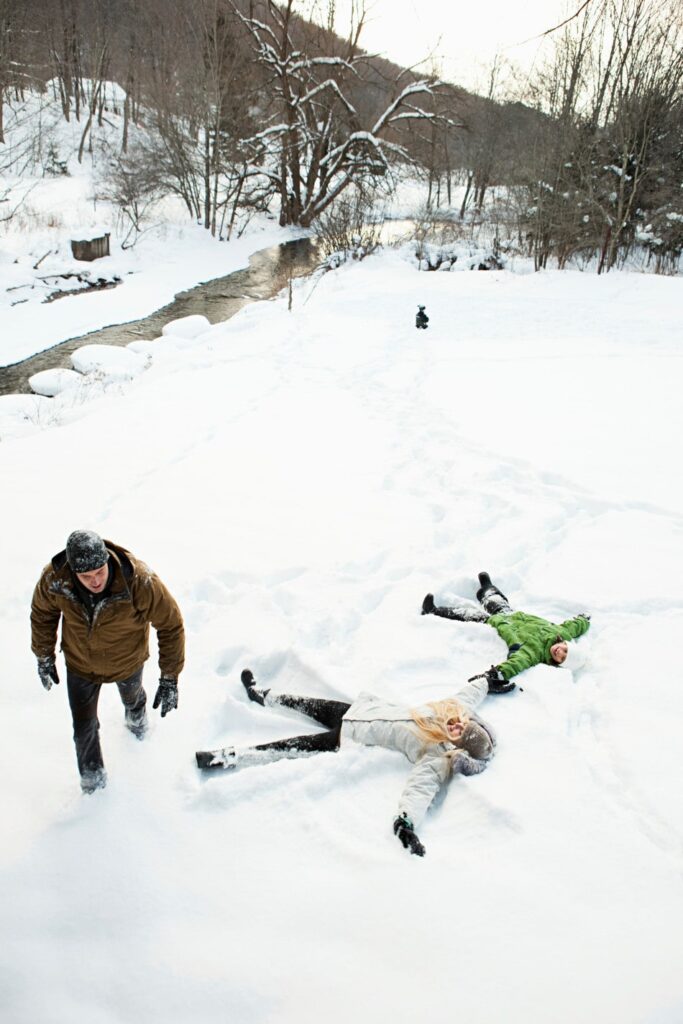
(311, 62)
(414, 89)
(329, 84)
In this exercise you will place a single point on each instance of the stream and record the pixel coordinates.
(268, 273)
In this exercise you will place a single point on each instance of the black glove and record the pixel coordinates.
(47, 670)
(403, 828)
(428, 605)
(584, 615)
(166, 695)
(496, 680)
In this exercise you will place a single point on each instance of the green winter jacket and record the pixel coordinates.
(529, 639)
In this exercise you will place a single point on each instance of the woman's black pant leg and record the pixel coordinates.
(328, 712)
(319, 742)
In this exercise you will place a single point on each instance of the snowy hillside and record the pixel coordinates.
(300, 480)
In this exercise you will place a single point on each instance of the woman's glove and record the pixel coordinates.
(403, 828)
(166, 695)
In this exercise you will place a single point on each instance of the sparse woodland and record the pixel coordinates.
(248, 105)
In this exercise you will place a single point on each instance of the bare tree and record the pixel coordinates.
(611, 93)
(314, 144)
(14, 53)
(62, 26)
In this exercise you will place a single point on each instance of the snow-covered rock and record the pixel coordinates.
(109, 360)
(186, 326)
(144, 347)
(52, 382)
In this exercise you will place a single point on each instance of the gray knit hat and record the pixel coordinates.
(85, 551)
(476, 741)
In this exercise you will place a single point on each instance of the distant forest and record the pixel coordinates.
(234, 106)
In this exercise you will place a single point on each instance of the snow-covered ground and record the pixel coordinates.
(300, 480)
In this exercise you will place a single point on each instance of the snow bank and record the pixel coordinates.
(21, 414)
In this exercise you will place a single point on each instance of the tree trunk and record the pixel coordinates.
(207, 178)
(465, 198)
(126, 121)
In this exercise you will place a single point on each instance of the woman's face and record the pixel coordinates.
(454, 728)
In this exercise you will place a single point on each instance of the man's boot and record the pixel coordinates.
(137, 723)
(93, 779)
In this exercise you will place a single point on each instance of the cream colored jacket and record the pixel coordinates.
(375, 721)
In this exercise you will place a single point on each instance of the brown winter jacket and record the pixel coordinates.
(116, 643)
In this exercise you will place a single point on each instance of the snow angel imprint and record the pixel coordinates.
(441, 739)
(530, 639)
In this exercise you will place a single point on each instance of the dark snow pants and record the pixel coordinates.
(327, 712)
(491, 600)
(83, 700)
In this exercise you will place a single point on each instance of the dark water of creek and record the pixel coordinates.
(269, 271)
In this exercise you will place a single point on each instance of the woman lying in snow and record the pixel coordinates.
(442, 739)
(530, 640)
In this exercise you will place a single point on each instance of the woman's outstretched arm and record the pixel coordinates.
(422, 785)
(472, 693)
(428, 776)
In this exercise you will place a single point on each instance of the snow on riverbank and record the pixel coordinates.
(171, 259)
(300, 480)
(51, 208)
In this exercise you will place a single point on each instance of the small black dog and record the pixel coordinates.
(421, 319)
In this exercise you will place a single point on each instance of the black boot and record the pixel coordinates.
(493, 600)
(248, 681)
(428, 605)
(136, 722)
(485, 585)
(93, 779)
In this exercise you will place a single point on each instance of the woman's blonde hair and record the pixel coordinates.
(432, 727)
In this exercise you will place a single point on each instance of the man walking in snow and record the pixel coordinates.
(106, 600)
(530, 639)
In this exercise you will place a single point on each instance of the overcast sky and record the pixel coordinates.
(465, 35)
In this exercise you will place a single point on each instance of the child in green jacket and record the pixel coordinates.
(530, 639)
